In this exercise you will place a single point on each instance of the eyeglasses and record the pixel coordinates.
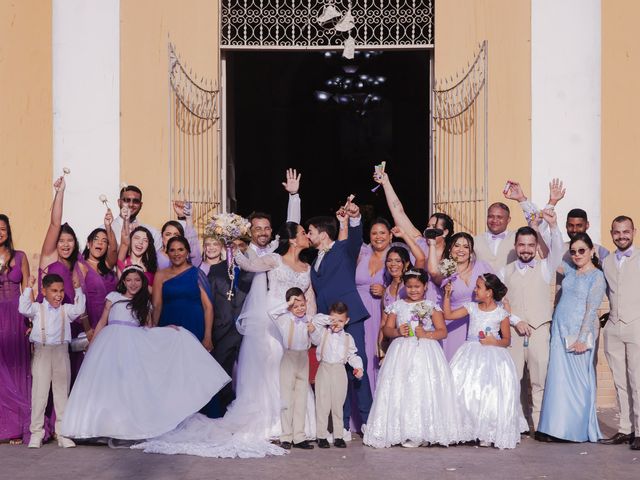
(135, 201)
(580, 251)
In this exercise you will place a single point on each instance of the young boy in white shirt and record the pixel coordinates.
(50, 335)
(294, 328)
(335, 348)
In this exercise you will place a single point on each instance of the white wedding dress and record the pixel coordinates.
(137, 383)
(253, 419)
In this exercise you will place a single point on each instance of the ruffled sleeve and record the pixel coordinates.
(393, 308)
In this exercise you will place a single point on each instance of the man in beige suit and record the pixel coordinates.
(495, 246)
(622, 331)
(529, 282)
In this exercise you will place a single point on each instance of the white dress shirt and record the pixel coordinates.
(53, 326)
(293, 330)
(334, 347)
(294, 214)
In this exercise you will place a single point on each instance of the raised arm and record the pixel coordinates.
(556, 247)
(354, 240)
(292, 186)
(400, 218)
(112, 248)
(26, 306)
(433, 263)
(184, 216)
(49, 254)
(415, 249)
(449, 314)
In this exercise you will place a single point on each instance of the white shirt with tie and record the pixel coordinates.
(53, 329)
(293, 330)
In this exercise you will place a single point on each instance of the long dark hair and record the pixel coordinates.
(185, 244)
(102, 261)
(403, 253)
(139, 304)
(287, 231)
(8, 243)
(452, 241)
(447, 223)
(586, 239)
(149, 258)
(493, 283)
(172, 223)
(75, 253)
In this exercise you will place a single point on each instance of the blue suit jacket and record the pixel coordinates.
(335, 281)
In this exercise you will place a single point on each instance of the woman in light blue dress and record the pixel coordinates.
(569, 403)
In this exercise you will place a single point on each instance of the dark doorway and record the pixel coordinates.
(275, 121)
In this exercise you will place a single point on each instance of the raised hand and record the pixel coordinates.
(59, 185)
(178, 207)
(353, 210)
(380, 178)
(397, 232)
(514, 192)
(448, 288)
(292, 184)
(108, 218)
(549, 215)
(556, 191)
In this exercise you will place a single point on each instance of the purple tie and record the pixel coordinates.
(302, 319)
(626, 253)
(500, 236)
(522, 265)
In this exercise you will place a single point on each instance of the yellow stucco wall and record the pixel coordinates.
(460, 26)
(26, 138)
(620, 107)
(144, 29)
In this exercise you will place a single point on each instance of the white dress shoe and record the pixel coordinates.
(65, 442)
(35, 442)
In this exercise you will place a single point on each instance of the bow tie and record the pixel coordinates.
(522, 265)
(499, 236)
(262, 250)
(51, 308)
(302, 319)
(626, 253)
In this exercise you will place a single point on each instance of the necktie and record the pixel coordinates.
(626, 253)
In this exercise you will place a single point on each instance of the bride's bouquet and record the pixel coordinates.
(227, 227)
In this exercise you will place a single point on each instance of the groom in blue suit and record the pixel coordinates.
(333, 279)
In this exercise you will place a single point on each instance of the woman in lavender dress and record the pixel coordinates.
(60, 253)
(370, 285)
(96, 272)
(172, 229)
(15, 352)
(460, 249)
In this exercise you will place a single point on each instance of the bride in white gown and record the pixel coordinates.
(253, 419)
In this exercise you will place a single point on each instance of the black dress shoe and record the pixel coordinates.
(635, 445)
(304, 445)
(285, 445)
(339, 443)
(543, 437)
(617, 439)
(323, 443)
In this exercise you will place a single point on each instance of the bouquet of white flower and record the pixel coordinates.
(421, 311)
(447, 267)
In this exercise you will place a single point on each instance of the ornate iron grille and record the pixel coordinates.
(292, 24)
(460, 161)
(193, 140)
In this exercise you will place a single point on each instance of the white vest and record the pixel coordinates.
(529, 294)
(623, 287)
(505, 255)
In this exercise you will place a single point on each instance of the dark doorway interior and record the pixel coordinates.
(275, 121)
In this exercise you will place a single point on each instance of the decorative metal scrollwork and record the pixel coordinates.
(293, 24)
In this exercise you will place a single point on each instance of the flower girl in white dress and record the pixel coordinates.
(138, 382)
(486, 383)
(414, 402)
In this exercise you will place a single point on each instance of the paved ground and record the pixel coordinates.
(530, 460)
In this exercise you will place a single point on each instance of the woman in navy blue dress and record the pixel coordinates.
(181, 294)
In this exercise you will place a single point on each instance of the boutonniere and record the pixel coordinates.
(324, 250)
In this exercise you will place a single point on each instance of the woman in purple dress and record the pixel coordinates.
(370, 285)
(96, 272)
(468, 269)
(15, 352)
